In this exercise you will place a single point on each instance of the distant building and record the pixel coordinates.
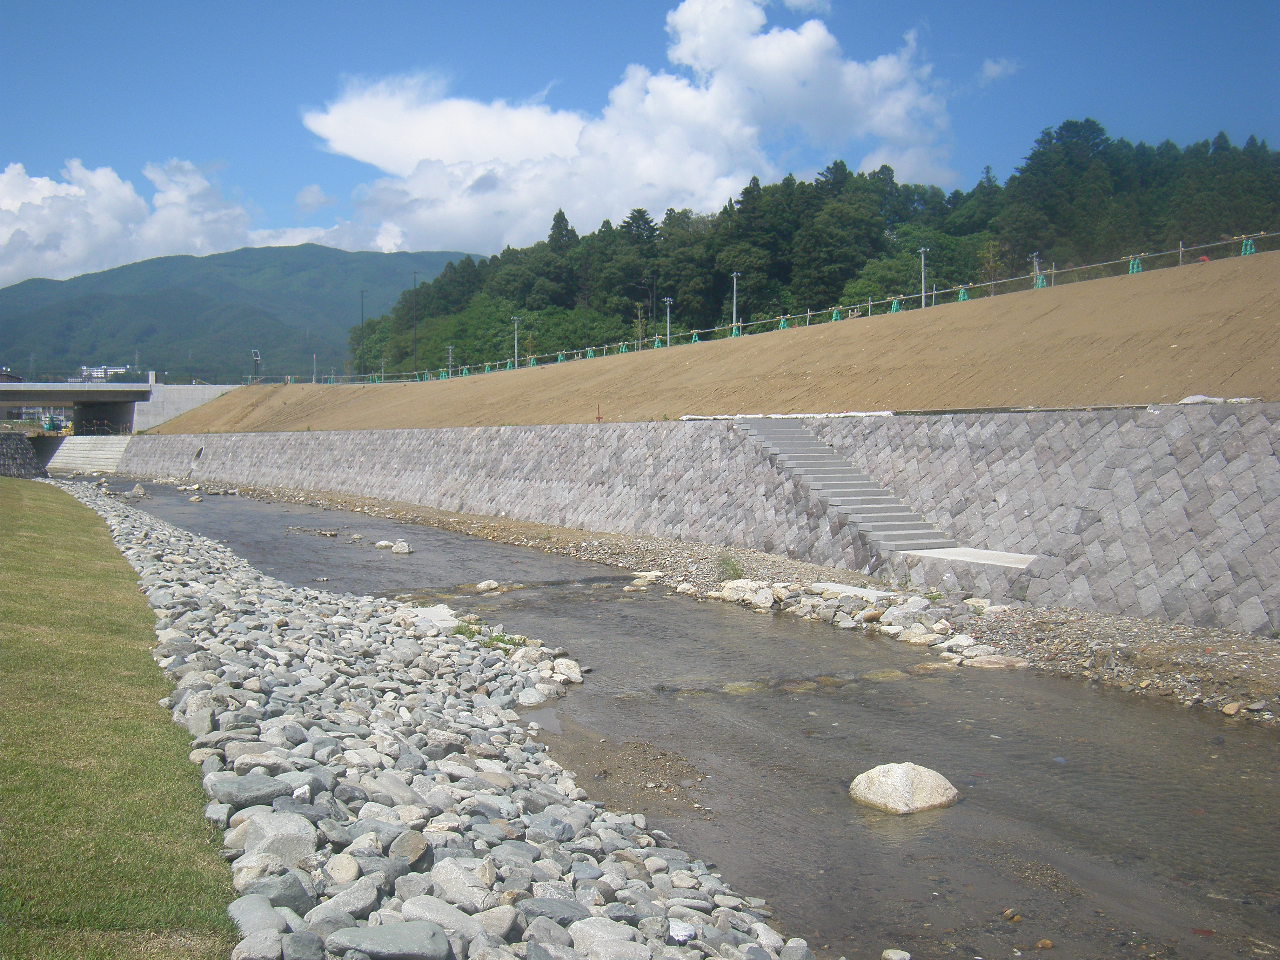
(97, 374)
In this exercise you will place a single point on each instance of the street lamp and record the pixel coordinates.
(923, 251)
(736, 275)
(415, 322)
(363, 334)
(516, 321)
(667, 301)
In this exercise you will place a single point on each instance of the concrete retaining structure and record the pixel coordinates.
(168, 400)
(1170, 512)
(18, 457)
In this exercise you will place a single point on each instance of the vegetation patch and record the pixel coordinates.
(105, 853)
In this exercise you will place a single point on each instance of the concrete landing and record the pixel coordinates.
(995, 558)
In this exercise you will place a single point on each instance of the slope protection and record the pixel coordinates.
(1205, 328)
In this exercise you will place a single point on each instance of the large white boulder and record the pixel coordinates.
(903, 788)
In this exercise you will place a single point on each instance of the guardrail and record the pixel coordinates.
(1041, 276)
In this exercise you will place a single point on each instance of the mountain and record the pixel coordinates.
(199, 317)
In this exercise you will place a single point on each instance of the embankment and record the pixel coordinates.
(1205, 328)
(1170, 512)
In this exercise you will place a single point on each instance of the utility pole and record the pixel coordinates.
(450, 361)
(736, 275)
(363, 333)
(923, 251)
(667, 301)
(415, 322)
(516, 321)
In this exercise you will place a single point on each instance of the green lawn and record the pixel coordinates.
(103, 849)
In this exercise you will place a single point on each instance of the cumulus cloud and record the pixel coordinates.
(464, 174)
(996, 69)
(92, 219)
(479, 175)
(312, 198)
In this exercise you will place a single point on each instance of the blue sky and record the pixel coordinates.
(139, 129)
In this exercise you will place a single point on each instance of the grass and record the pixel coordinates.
(729, 568)
(104, 851)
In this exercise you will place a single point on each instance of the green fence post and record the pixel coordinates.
(835, 314)
(695, 339)
(1248, 247)
(1039, 282)
(782, 323)
(896, 307)
(963, 295)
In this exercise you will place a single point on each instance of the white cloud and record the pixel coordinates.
(466, 174)
(995, 69)
(92, 219)
(312, 198)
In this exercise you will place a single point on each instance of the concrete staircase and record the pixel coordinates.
(88, 455)
(878, 515)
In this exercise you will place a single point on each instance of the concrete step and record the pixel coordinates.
(877, 514)
(88, 455)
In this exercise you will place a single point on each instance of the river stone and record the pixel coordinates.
(449, 917)
(997, 661)
(412, 940)
(302, 946)
(247, 791)
(253, 913)
(903, 788)
(263, 945)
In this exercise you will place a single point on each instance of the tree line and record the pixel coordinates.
(1079, 197)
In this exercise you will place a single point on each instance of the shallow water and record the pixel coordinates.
(1115, 826)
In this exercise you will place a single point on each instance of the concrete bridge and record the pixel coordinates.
(101, 408)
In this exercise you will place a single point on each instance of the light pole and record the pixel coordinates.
(667, 301)
(923, 251)
(363, 333)
(736, 275)
(516, 321)
(415, 322)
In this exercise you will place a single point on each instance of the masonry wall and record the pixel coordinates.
(1170, 512)
(703, 481)
(17, 457)
(1173, 512)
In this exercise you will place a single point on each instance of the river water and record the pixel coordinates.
(1112, 826)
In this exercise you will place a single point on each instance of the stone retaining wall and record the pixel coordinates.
(1171, 513)
(17, 457)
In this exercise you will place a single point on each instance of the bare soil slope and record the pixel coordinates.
(1205, 328)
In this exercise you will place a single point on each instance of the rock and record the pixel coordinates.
(302, 946)
(412, 940)
(895, 955)
(450, 918)
(137, 491)
(1231, 709)
(902, 788)
(401, 547)
(589, 935)
(996, 661)
(251, 790)
(485, 586)
(196, 499)
(253, 913)
(263, 945)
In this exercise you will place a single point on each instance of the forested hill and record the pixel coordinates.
(199, 317)
(1080, 197)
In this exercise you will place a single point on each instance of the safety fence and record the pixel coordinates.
(1041, 276)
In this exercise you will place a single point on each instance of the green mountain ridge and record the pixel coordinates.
(190, 317)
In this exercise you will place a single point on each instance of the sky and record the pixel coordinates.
(132, 130)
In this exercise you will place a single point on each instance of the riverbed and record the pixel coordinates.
(1106, 825)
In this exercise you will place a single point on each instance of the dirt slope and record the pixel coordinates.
(1205, 328)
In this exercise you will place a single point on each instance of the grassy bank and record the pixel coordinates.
(103, 850)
